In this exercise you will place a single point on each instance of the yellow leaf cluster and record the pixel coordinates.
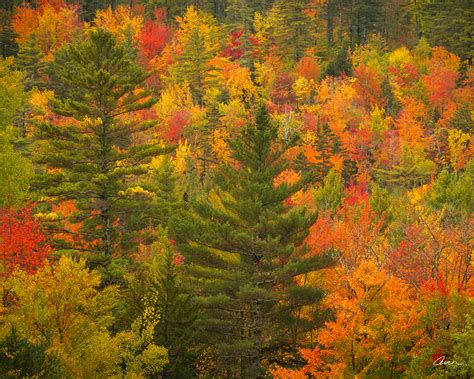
(399, 57)
(303, 89)
(182, 152)
(55, 27)
(220, 146)
(458, 142)
(206, 25)
(233, 113)
(121, 21)
(173, 98)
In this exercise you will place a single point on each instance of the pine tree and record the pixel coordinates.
(25, 359)
(364, 16)
(29, 61)
(164, 183)
(192, 66)
(413, 169)
(8, 45)
(291, 28)
(449, 23)
(177, 308)
(92, 159)
(328, 197)
(239, 12)
(340, 63)
(173, 8)
(243, 250)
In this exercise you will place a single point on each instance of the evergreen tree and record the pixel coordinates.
(244, 248)
(21, 359)
(239, 12)
(291, 28)
(365, 18)
(192, 66)
(177, 309)
(29, 61)
(462, 119)
(449, 23)
(340, 63)
(164, 183)
(8, 45)
(452, 191)
(92, 159)
(413, 169)
(173, 8)
(328, 197)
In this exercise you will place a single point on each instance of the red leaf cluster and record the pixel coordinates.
(22, 242)
(154, 36)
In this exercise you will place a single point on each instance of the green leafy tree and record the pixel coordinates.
(244, 248)
(16, 172)
(93, 159)
(15, 169)
(61, 309)
(464, 350)
(12, 94)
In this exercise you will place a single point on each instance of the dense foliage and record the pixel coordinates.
(236, 189)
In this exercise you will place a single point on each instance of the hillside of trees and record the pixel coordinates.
(236, 189)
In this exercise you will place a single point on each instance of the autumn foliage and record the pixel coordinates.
(127, 144)
(22, 241)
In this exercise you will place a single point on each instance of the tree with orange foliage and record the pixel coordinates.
(431, 251)
(121, 22)
(355, 230)
(308, 68)
(53, 23)
(440, 81)
(369, 86)
(372, 335)
(24, 22)
(410, 123)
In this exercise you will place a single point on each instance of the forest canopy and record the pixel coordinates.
(236, 189)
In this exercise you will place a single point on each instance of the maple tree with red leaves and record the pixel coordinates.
(154, 35)
(235, 49)
(22, 241)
